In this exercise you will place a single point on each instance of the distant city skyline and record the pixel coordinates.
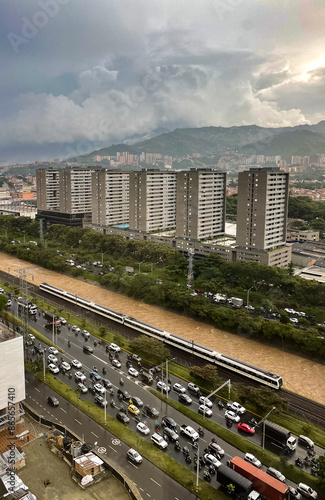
(76, 78)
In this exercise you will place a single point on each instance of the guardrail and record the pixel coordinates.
(127, 483)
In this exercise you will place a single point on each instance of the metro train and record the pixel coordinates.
(258, 374)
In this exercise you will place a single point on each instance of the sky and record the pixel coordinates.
(77, 75)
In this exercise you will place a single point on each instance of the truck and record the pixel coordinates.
(236, 301)
(220, 298)
(236, 484)
(51, 319)
(189, 432)
(267, 486)
(278, 436)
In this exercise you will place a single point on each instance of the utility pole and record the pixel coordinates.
(190, 273)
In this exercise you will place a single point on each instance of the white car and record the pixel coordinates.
(99, 388)
(253, 460)
(31, 337)
(179, 388)
(53, 350)
(65, 366)
(143, 428)
(114, 347)
(134, 456)
(52, 358)
(205, 401)
(237, 408)
(307, 491)
(63, 321)
(53, 368)
(132, 371)
(289, 311)
(80, 376)
(210, 459)
(163, 386)
(159, 441)
(293, 320)
(231, 415)
(116, 363)
(75, 329)
(205, 411)
(76, 364)
(82, 388)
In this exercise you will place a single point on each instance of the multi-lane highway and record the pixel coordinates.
(100, 359)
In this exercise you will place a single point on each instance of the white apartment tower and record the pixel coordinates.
(262, 216)
(110, 197)
(152, 200)
(201, 198)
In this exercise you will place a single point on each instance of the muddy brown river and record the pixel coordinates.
(300, 375)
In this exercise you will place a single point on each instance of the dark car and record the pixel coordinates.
(38, 349)
(123, 394)
(106, 383)
(87, 349)
(136, 401)
(185, 398)
(121, 417)
(168, 422)
(150, 411)
(53, 401)
(171, 434)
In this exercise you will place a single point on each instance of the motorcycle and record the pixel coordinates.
(137, 418)
(299, 462)
(253, 422)
(212, 470)
(111, 391)
(188, 459)
(207, 476)
(121, 381)
(69, 343)
(314, 471)
(177, 446)
(220, 405)
(104, 371)
(228, 423)
(95, 369)
(113, 403)
(185, 450)
(200, 431)
(70, 375)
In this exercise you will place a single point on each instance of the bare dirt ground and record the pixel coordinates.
(300, 375)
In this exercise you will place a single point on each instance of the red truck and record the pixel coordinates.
(266, 485)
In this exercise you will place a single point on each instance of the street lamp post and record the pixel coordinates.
(103, 253)
(247, 300)
(140, 265)
(263, 440)
(105, 409)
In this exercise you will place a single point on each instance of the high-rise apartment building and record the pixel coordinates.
(110, 197)
(64, 195)
(201, 199)
(152, 200)
(262, 216)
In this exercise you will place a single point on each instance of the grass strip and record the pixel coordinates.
(292, 472)
(168, 465)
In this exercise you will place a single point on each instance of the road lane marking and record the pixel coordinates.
(37, 389)
(115, 451)
(91, 432)
(100, 359)
(132, 464)
(141, 489)
(155, 482)
(78, 421)
(26, 381)
(63, 410)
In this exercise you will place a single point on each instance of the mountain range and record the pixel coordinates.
(285, 141)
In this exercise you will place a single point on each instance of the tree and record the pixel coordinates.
(208, 373)
(3, 302)
(150, 348)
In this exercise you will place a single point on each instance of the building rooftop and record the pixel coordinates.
(88, 460)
